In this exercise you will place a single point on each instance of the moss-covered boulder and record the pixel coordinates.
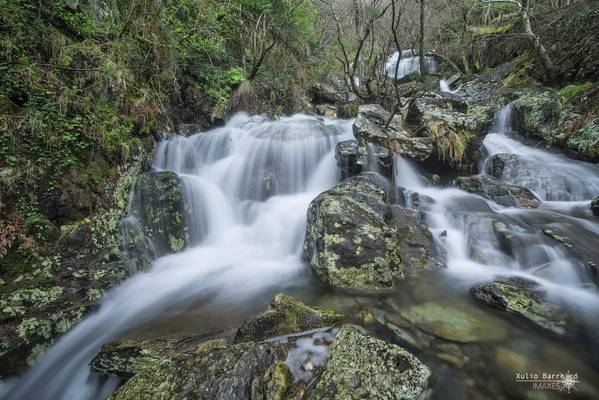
(241, 371)
(541, 114)
(128, 357)
(363, 367)
(456, 135)
(499, 191)
(156, 224)
(374, 125)
(286, 315)
(526, 300)
(350, 244)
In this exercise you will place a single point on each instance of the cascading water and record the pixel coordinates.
(407, 64)
(249, 185)
(468, 229)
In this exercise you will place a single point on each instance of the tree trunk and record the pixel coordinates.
(421, 50)
(536, 41)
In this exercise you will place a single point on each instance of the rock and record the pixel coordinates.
(457, 322)
(369, 127)
(156, 225)
(350, 245)
(526, 300)
(595, 206)
(500, 192)
(353, 158)
(128, 357)
(541, 114)
(583, 143)
(326, 110)
(242, 371)
(331, 92)
(363, 367)
(456, 136)
(283, 316)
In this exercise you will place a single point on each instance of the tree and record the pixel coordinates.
(523, 7)
(421, 39)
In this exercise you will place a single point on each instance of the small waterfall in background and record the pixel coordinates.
(249, 185)
(408, 64)
(471, 231)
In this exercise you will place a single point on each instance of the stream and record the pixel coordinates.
(249, 184)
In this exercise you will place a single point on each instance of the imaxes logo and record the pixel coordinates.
(549, 381)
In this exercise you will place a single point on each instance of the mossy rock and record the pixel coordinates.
(157, 222)
(361, 366)
(286, 315)
(526, 300)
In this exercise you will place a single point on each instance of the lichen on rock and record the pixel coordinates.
(361, 366)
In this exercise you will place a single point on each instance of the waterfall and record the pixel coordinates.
(249, 184)
(407, 64)
(481, 240)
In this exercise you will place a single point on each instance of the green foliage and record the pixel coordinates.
(570, 92)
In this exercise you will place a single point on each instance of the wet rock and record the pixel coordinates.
(499, 191)
(156, 225)
(286, 315)
(363, 367)
(595, 206)
(369, 127)
(127, 357)
(526, 300)
(242, 371)
(457, 322)
(456, 135)
(349, 244)
(326, 110)
(353, 158)
(541, 114)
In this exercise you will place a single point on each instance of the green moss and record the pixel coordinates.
(570, 92)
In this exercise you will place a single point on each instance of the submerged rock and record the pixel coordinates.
(457, 322)
(374, 125)
(156, 224)
(286, 315)
(348, 242)
(499, 191)
(526, 300)
(363, 367)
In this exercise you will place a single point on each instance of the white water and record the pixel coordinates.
(444, 86)
(250, 184)
(407, 64)
(463, 223)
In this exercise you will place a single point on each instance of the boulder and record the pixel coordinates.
(242, 371)
(456, 135)
(156, 224)
(283, 316)
(369, 127)
(363, 367)
(526, 300)
(355, 240)
(499, 191)
(346, 154)
(541, 114)
(353, 158)
(595, 206)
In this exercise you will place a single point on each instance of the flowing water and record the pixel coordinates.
(407, 64)
(249, 185)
